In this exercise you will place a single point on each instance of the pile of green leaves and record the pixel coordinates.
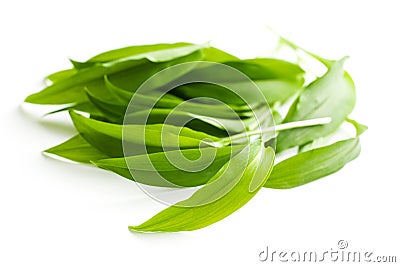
(96, 94)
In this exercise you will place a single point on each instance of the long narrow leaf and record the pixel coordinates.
(316, 163)
(149, 168)
(237, 183)
(332, 95)
(71, 90)
(77, 149)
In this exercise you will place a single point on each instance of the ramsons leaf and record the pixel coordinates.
(60, 75)
(133, 51)
(107, 137)
(316, 163)
(71, 90)
(277, 80)
(332, 95)
(172, 130)
(239, 185)
(149, 168)
(77, 149)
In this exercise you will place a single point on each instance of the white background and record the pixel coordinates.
(58, 214)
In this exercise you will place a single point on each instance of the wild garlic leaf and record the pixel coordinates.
(268, 68)
(216, 55)
(124, 96)
(332, 95)
(148, 172)
(114, 109)
(278, 91)
(240, 186)
(274, 90)
(153, 53)
(326, 62)
(103, 136)
(210, 53)
(132, 51)
(87, 107)
(110, 108)
(348, 129)
(313, 164)
(191, 147)
(107, 137)
(277, 80)
(80, 65)
(316, 163)
(113, 101)
(77, 149)
(360, 128)
(60, 75)
(177, 118)
(71, 90)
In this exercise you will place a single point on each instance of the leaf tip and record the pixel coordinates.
(77, 64)
(30, 99)
(136, 229)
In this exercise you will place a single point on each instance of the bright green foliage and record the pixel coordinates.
(207, 138)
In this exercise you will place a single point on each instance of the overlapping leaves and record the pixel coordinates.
(103, 86)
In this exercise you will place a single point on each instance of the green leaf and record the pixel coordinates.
(54, 94)
(210, 53)
(235, 185)
(110, 108)
(313, 164)
(71, 90)
(360, 128)
(326, 62)
(216, 55)
(61, 75)
(278, 91)
(148, 168)
(178, 118)
(87, 107)
(77, 149)
(273, 90)
(113, 101)
(107, 137)
(317, 162)
(126, 52)
(114, 105)
(277, 80)
(80, 65)
(125, 96)
(133, 51)
(268, 68)
(332, 95)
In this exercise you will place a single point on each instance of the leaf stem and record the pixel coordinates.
(278, 128)
(300, 124)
